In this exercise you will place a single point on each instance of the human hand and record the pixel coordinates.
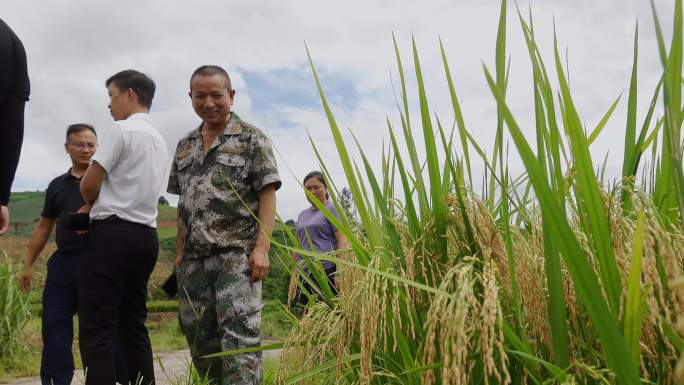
(85, 209)
(4, 219)
(25, 280)
(258, 263)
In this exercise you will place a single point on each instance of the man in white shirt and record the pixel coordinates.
(121, 189)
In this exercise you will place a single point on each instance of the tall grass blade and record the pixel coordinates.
(584, 279)
(421, 192)
(635, 302)
(432, 163)
(588, 195)
(366, 216)
(458, 115)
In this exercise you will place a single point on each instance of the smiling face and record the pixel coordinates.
(81, 147)
(317, 188)
(211, 99)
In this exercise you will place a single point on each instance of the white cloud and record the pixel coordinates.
(74, 45)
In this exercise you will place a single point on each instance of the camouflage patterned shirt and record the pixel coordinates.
(219, 192)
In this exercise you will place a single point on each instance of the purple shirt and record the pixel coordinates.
(314, 228)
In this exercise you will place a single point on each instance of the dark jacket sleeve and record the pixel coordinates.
(11, 137)
(14, 91)
(14, 80)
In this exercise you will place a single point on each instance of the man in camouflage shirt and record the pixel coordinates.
(225, 174)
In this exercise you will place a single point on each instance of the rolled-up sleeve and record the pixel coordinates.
(263, 168)
(49, 209)
(110, 149)
(173, 186)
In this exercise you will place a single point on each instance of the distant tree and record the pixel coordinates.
(162, 201)
(290, 222)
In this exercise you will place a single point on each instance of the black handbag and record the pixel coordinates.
(170, 286)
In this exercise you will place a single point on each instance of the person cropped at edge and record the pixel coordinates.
(225, 174)
(60, 294)
(14, 93)
(121, 189)
(315, 232)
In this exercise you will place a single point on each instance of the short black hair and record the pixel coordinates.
(78, 127)
(142, 84)
(211, 70)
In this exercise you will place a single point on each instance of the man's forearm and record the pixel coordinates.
(89, 195)
(36, 244)
(91, 182)
(267, 207)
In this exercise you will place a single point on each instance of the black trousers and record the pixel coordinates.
(118, 260)
(60, 301)
(329, 272)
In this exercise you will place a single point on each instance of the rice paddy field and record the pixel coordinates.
(554, 276)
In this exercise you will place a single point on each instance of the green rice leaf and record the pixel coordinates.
(635, 302)
(584, 279)
(597, 130)
(432, 163)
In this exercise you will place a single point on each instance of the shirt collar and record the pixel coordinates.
(139, 115)
(69, 175)
(234, 127)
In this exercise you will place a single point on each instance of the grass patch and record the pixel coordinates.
(162, 306)
(270, 370)
(166, 213)
(166, 232)
(165, 334)
(24, 361)
(275, 325)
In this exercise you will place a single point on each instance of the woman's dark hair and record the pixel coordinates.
(318, 175)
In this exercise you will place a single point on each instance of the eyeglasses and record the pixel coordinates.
(82, 146)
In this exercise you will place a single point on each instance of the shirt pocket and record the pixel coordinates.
(184, 171)
(230, 170)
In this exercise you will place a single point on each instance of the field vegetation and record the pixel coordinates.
(20, 335)
(557, 275)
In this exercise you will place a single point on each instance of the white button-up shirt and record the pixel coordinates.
(135, 157)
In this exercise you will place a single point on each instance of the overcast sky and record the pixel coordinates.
(74, 45)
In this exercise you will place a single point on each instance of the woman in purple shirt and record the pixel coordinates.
(315, 232)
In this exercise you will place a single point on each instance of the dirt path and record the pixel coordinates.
(174, 365)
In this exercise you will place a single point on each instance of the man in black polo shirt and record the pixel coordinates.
(60, 296)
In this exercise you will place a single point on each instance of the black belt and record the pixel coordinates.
(115, 219)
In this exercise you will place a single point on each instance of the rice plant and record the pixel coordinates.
(13, 307)
(545, 277)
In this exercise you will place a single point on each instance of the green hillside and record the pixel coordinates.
(26, 207)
